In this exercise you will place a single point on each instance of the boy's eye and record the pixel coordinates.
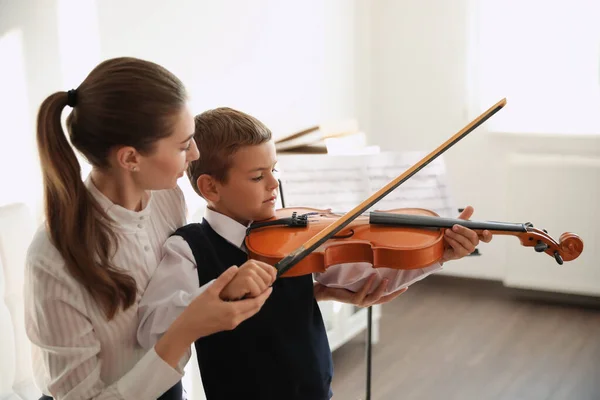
(259, 178)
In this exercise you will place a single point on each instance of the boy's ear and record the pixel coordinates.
(208, 187)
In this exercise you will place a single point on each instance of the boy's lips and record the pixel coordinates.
(270, 199)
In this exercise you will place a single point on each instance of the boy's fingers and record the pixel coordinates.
(486, 236)
(466, 213)
(463, 240)
(264, 275)
(267, 268)
(255, 287)
(223, 279)
(466, 233)
(456, 246)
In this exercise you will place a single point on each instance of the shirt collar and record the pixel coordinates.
(128, 220)
(226, 227)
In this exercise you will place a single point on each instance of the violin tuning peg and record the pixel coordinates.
(558, 258)
(540, 247)
(298, 220)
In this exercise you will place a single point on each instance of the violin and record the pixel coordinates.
(401, 239)
(406, 238)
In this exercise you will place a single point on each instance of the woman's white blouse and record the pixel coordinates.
(77, 352)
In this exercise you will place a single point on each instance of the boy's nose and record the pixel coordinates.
(273, 183)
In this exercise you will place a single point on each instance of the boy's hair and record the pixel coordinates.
(219, 133)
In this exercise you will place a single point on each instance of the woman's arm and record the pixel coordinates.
(175, 311)
(173, 286)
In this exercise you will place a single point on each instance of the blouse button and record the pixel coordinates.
(140, 226)
(147, 248)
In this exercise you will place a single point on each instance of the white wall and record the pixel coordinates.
(426, 84)
(420, 97)
(418, 57)
(290, 64)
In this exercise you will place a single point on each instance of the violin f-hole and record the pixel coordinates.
(350, 234)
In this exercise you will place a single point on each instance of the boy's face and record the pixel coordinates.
(250, 192)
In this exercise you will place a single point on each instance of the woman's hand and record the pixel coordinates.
(360, 298)
(207, 314)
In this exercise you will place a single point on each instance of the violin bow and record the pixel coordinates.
(317, 240)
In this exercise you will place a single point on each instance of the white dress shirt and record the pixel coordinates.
(175, 282)
(77, 352)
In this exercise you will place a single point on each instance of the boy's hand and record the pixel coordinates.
(463, 240)
(252, 279)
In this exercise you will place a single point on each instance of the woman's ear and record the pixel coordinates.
(128, 158)
(208, 187)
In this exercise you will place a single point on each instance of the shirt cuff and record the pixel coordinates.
(136, 385)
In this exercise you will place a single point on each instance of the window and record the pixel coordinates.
(544, 57)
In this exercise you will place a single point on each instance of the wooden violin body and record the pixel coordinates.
(360, 241)
(406, 238)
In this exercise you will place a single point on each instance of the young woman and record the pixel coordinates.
(91, 261)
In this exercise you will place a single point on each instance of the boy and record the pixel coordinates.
(282, 352)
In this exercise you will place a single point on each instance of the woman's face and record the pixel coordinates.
(169, 160)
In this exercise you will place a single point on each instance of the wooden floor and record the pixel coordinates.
(449, 338)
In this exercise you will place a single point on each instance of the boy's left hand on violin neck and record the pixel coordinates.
(462, 240)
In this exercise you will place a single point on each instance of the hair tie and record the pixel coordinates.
(72, 98)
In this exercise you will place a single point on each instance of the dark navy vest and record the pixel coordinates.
(282, 352)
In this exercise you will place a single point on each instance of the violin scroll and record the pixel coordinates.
(568, 247)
